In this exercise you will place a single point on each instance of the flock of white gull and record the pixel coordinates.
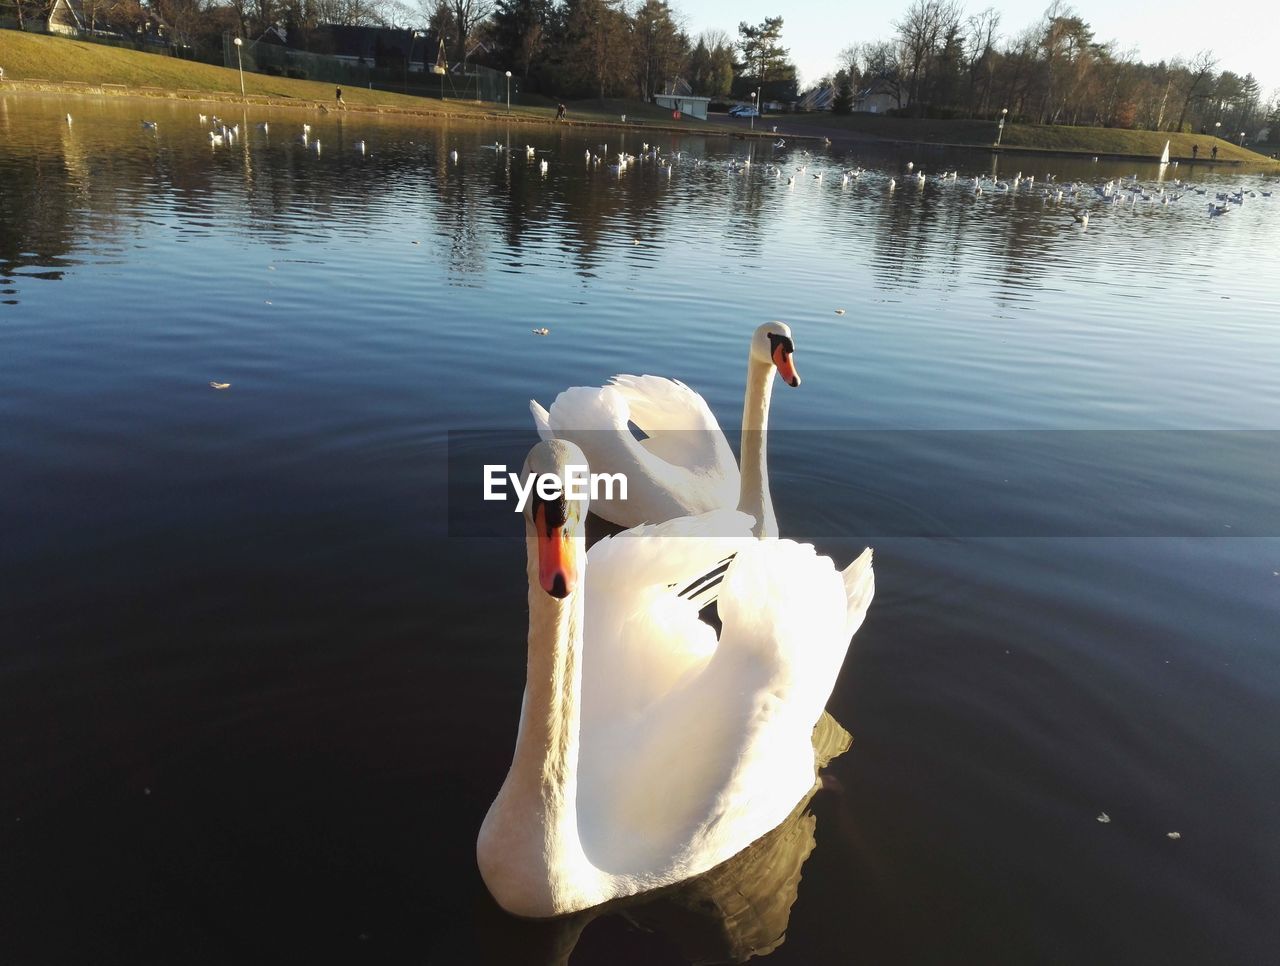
(1118, 191)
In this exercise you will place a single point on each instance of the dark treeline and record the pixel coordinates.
(945, 62)
(561, 48)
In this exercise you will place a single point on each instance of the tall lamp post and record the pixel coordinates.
(1217, 128)
(240, 61)
(753, 116)
(508, 92)
(1242, 139)
(1004, 112)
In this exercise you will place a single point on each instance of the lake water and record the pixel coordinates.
(259, 683)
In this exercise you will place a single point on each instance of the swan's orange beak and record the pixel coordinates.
(784, 359)
(557, 553)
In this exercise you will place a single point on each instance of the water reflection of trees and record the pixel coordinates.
(942, 236)
(490, 209)
(487, 209)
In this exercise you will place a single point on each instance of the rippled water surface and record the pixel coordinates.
(257, 692)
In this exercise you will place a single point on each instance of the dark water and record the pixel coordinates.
(255, 699)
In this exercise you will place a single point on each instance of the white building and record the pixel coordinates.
(679, 96)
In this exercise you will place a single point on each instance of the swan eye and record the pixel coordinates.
(782, 342)
(555, 513)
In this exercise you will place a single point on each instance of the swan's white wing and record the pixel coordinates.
(596, 419)
(859, 587)
(541, 420)
(721, 758)
(680, 426)
(642, 636)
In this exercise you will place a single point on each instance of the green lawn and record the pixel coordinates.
(1086, 140)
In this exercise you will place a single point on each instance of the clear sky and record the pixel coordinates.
(1245, 36)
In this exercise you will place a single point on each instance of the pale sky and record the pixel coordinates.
(1244, 35)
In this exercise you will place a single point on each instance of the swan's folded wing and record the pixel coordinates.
(680, 426)
(726, 753)
(785, 607)
(595, 418)
(642, 637)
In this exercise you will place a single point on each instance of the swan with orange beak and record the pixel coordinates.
(653, 745)
(683, 465)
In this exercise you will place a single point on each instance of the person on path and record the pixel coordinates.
(338, 95)
(1214, 153)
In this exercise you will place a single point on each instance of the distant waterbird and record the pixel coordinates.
(149, 126)
(68, 120)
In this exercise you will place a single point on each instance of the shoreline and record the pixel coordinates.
(713, 128)
(478, 113)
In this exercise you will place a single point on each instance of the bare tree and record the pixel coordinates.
(980, 50)
(849, 60)
(922, 31)
(467, 16)
(1200, 69)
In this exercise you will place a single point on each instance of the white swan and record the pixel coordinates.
(685, 466)
(648, 751)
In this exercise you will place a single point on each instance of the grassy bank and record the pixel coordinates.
(1031, 137)
(38, 61)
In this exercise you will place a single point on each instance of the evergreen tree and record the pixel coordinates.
(659, 49)
(843, 101)
(765, 64)
(521, 31)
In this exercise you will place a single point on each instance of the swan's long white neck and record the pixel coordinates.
(529, 850)
(754, 497)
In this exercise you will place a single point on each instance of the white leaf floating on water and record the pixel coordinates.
(1174, 835)
(1104, 818)
(219, 385)
(542, 331)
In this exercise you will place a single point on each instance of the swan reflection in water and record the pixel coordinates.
(735, 911)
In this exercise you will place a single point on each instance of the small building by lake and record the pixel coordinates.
(679, 96)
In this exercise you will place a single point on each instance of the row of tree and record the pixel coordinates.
(944, 62)
(940, 62)
(563, 48)
(607, 48)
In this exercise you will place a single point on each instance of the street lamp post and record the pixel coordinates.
(1242, 139)
(1004, 112)
(508, 92)
(753, 116)
(240, 61)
